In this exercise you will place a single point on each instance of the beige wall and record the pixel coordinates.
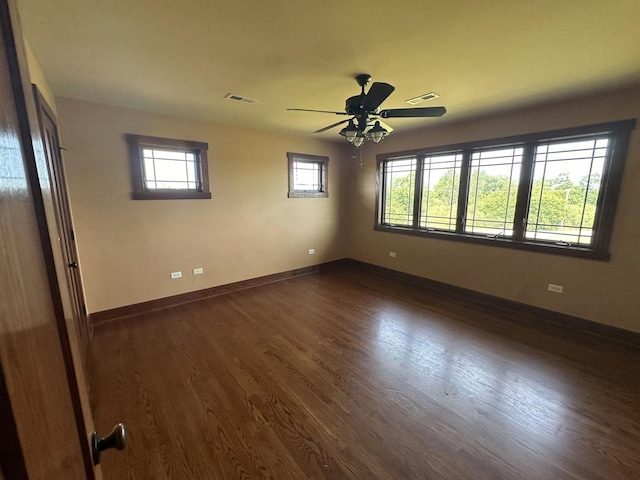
(37, 76)
(250, 228)
(606, 292)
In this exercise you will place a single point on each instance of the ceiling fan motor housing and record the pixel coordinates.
(354, 105)
(363, 79)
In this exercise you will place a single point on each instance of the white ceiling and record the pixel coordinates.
(183, 57)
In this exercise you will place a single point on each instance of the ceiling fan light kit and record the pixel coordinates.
(352, 134)
(364, 124)
(377, 133)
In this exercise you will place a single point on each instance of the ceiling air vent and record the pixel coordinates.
(240, 98)
(422, 98)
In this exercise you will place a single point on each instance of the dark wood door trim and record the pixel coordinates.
(50, 141)
(36, 173)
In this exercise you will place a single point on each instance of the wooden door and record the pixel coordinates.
(62, 233)
(44, 406)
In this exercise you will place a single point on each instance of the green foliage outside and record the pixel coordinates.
(559, 202)
(562, 203)
(440, 206)
(399, 200)
(492, 199)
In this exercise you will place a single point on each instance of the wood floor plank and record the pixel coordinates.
(351, 375)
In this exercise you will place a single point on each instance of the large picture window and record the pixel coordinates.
(551, 191)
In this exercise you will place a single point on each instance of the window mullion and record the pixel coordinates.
(382, 191)
(417, 194)
(524, 192)
(463, 192)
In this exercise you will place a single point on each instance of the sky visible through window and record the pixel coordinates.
(307, 176)
(169, 169)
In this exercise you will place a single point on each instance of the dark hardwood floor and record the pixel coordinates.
(349, 375)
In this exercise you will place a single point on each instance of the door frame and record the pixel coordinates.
(28, 130)
(62, 229)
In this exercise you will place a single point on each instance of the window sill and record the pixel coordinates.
(308, 194)
(170, 195)
(570, 251)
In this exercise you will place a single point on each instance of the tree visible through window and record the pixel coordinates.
(566, 185)
(400, 177)
(440, 188)
(553, 191)
(492, 191)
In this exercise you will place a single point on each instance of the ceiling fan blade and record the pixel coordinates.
(413, 112)
(331, 126)
(319, 111)
(377, 94)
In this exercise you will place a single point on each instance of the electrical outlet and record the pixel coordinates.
(555, 288)
(175, 275)
(198, 271)
(392, 254)
(312, 251)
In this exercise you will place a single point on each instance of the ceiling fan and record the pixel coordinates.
(365, 124)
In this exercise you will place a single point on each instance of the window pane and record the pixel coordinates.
(149, 170)
(165, 154)
(566, 186)
(191, 171)
(169, 169)
(440, 187)
(173, 184)
(399, 185)
(493, 188)
(307, 176)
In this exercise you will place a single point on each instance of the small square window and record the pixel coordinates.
(307, 175)
(164, 168)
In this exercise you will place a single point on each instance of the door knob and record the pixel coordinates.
(116, 439)
(73, 265)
